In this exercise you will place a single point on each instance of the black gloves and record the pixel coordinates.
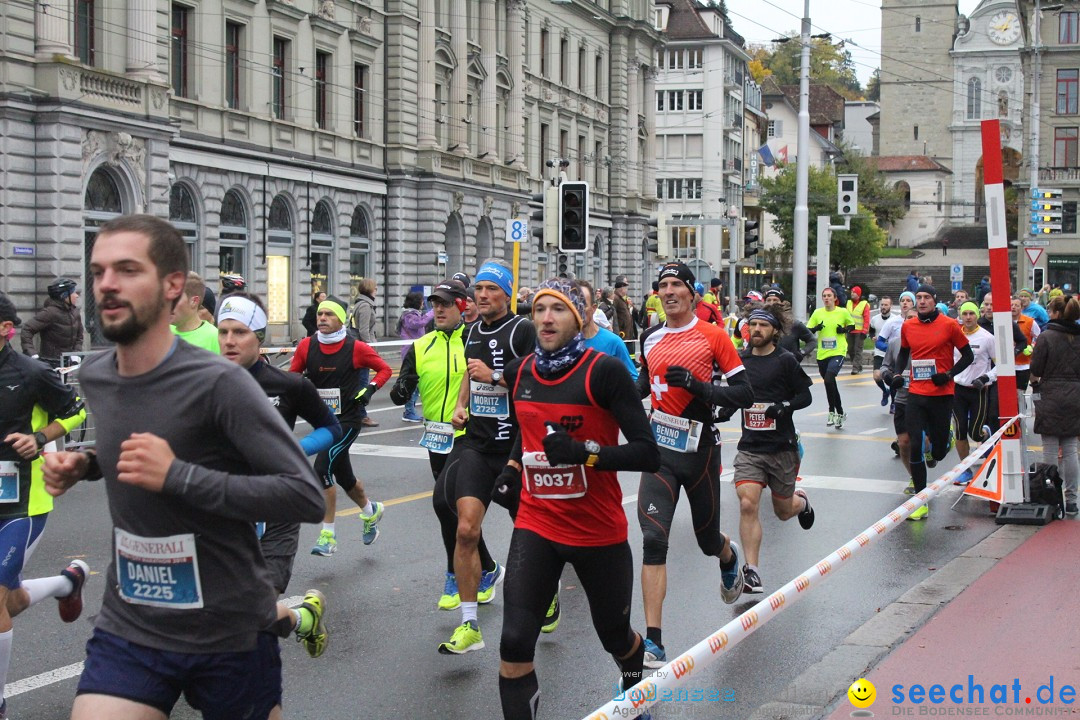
(841, 330)
(897, 382)
(776, 410)
(980, 382)
(723, 414)
(562, 449)
(815, 328)
(680, 377)
(364, 396)
(507, 490)
(940, 378)
(398, 396)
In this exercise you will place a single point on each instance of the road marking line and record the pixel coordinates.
(863, 407)
(412, 452)
(42, 680)
(387, 503)
(873, 431)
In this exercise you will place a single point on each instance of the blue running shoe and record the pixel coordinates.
(732, 581)
(963, 478)
(655, 656)
(485, 593)
(371, 522)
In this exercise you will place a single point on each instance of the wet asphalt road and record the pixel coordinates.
(385, 627)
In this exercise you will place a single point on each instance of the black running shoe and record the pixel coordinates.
(751, 581)
(806, 517)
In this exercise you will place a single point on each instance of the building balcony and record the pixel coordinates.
(468, 169)
(69, 80)
(1060, 174)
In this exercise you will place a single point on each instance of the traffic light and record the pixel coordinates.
(751, 234)
(1045, 211)
(573, 217)
(544, 222)
(660, 238)
(847, 195)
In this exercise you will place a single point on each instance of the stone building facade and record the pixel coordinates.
(309, 143)
(916, 77)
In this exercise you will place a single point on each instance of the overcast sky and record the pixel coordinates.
(759, 21)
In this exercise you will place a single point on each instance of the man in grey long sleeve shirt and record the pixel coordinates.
(182, 442)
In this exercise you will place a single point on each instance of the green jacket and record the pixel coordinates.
(434, 363)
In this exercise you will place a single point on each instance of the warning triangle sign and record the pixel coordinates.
(1033, 254)
(987, 482)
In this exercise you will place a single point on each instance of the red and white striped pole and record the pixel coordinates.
(997, 240)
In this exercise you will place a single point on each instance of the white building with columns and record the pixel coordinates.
(311, 143)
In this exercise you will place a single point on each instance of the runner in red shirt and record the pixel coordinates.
(570, 403)
(683, 362)
(927, 342)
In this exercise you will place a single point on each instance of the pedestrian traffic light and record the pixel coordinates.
(545, 221)
(574, 217)
(847, 195)
(660, 238)
(751, 233)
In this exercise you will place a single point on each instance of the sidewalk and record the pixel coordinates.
(1018, 625)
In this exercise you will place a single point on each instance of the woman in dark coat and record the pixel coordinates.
(1055, 375)
(310, 321)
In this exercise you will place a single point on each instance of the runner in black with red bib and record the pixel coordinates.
(683, 361)
(571, 402)
(464, 488)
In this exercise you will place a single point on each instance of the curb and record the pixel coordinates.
(822, 685)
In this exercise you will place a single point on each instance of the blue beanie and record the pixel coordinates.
(498, 274)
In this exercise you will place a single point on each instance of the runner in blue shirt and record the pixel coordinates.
(597, 337)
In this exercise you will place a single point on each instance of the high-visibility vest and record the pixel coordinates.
(856, 313)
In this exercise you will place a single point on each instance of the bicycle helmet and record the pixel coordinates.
(60, 289)
(232, 283)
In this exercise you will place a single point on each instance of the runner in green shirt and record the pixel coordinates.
(186, 322)
(831, 323)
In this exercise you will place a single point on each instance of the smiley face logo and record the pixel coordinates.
(862, 693)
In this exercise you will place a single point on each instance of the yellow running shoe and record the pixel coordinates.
(466, 638)
(316, 638)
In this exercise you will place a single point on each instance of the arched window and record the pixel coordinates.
(183, 217)
(322, 243)
(103, 202)
(233, 235)
(281, 222)
(974, 99)
(360, 265)
(940, 192)
(918, 24)
(906, 190)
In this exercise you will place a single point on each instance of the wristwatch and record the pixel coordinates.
(496, 376)
(593, 448)
(41, 440)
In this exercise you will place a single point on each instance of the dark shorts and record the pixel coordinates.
(223, 686)
(899, 419)
(469, 473)
(279, 545)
